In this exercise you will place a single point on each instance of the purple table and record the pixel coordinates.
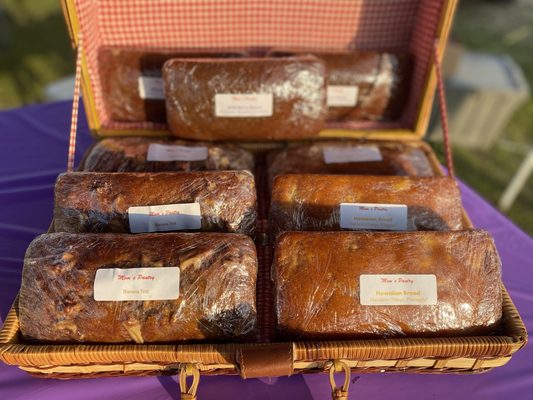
(33, 149)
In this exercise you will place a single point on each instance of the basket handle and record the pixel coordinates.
(75, 107)
(443, 112)
(339, 393)
(189, 370)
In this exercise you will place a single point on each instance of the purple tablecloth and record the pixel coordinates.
(33, 149)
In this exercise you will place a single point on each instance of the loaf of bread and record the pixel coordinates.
(219, 201)
(131, 81)
(352, 202)
(353, 285)
(364, 85)
(112, 288)
(140, 154)
(350, 158)
(245, 99)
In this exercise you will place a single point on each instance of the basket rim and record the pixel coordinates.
(13, 351)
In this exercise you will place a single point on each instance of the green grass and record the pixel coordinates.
(35, 50)
(499, 28)
(39, 53)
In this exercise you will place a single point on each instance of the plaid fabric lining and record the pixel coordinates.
(404, 25)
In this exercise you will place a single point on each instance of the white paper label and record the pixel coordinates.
(151, 88)
(398, 290)
(170, 217)
(122, 284)
(164, 152)
(244, 105)
(368, 216)
(335, 155)
(342, 96)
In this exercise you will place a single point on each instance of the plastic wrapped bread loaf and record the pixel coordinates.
(112, 288)
(245, 99)
(364, 85)
(137, 154)
(131, 81)
(352, 202)
(382, 81)
(386, 284)
(350, 158)
(221, 201)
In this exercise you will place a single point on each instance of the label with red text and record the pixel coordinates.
(371, 216)
(123, 284)
(342, 96)
(169, 217)
(335, 155)
(166, 152)
(244, 105)
(151, 87)
(398, 290)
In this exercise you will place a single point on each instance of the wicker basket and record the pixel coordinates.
(424, 355)
(420, 26)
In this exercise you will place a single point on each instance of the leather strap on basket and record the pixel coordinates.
(75, 107)
(339, 393)
(189, 370)
(269, 360)
(443, 112)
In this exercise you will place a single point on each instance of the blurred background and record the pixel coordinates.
(488, 72)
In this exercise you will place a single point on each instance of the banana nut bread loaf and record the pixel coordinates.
(131, 81)
(364, 85)
(139, 154)
(359, 202)
(245, 99)
(220, 201)
(113, 288)
(386, 284)
(350, 157)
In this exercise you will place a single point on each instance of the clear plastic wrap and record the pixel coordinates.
(99, 201)
(396, 159)
(125, 71)
(313, 202)
(130, 155)
(321, 280)
(216, 281)
(364, 85)
(245, 99)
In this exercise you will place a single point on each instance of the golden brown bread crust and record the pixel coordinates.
(382, 80)
(398, 159)
(99, 201)
(119, 69)
(296, 83)
(316, 280)
(129, 155)
(312, 202)
(217, 288)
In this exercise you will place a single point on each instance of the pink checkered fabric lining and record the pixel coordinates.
(75, 107)
(402, 25)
